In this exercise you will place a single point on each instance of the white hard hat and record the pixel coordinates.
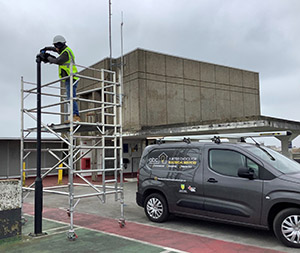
(59, 38)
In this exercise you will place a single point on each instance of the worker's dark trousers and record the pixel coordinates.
(75, 106)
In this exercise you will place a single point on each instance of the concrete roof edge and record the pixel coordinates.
(244, 119)
(184, 58)
(176, 56)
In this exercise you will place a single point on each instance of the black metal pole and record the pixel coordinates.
(38, 204)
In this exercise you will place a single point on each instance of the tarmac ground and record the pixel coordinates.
(55, 240)
(97, 228)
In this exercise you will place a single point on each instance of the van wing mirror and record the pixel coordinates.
(246, 173)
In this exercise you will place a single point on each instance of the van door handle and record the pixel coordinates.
(212, 180)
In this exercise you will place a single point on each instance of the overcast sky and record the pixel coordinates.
(256, 35)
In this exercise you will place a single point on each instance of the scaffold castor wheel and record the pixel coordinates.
(72, 236)
(122, 223)
(68, 212)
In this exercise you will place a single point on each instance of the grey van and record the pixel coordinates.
(239, 183)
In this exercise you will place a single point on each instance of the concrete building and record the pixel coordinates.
(161, 89)
(168, 95)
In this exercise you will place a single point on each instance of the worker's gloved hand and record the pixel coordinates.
(43, 50)
(44, 57)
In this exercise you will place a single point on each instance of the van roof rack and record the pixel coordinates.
(217, 137)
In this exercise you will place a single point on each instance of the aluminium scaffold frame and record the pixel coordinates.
(107, 140)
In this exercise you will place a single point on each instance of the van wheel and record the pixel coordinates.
(286, 227)
(156, 208)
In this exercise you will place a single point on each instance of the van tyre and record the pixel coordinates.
(156, 208)
(286, 227)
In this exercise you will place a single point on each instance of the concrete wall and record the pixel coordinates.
(161, 89)
(10, 208)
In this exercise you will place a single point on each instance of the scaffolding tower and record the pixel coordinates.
(100, 127)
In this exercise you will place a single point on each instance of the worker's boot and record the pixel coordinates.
(76, 118)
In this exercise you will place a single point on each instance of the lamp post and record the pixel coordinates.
(38, 204)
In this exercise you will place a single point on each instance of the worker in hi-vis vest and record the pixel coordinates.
(66, 56)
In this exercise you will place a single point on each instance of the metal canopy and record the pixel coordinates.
(238, 125)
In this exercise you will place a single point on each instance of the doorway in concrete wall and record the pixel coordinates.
(132, 151)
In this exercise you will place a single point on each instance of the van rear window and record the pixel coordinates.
(174, 159)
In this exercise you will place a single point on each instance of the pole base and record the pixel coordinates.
(37, 235)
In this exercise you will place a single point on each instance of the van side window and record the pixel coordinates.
(179, 159)
(227, 162)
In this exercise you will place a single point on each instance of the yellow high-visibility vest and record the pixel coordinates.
(66, 65)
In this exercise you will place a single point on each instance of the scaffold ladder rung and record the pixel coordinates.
(109, 114)
(109, 158)
(109, 93)
(110, 181)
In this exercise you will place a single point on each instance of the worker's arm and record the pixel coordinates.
(60, 59)
(48, 49)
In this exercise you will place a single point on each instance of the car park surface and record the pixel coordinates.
(243, 236)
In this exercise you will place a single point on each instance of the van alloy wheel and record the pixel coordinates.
(156, 208)
(286, 227)
(290, 228)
